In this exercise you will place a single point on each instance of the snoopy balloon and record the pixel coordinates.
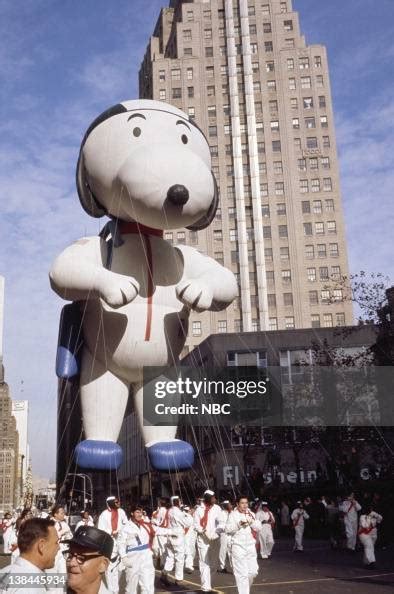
(146, 166)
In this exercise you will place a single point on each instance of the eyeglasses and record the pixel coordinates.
(80, 558)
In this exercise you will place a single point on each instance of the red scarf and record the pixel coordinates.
(295, 522)
(350, 507)
(204, 519)
(149, 528)
(114, 520)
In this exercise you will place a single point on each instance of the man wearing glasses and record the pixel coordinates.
(87, 560)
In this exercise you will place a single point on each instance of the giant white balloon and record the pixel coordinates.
(146, 166)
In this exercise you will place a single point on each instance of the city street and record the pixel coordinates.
(318, 570)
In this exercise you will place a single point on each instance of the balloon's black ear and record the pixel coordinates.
(88, 200)
(207, 219)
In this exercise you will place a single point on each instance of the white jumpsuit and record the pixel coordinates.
(134, 545)
(350, 509)
(206, 521)
(179, 521)
(224, 538)
(190, 546)
(160, 518)
(241, 528)
(7, 534)
(64, 533)
(298, 517)
(104, 523)
(266, 536)
(368, 534)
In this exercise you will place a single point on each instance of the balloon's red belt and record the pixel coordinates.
(145, 232)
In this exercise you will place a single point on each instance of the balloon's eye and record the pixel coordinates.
(137, 132)
(184, 139)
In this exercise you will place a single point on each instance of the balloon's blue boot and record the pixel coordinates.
(98, 455)
(171, 455)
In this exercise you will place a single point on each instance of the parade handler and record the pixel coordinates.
(243, 527)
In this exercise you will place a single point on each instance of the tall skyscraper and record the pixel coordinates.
(20, 411)
(243, 71)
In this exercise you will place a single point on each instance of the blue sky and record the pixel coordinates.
(61, 64)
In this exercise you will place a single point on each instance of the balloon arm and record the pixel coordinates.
(206, 285)
(79, 274)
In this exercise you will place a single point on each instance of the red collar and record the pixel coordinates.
(125, 228)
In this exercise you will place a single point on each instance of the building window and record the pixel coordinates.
(258, 108)
(209, 52)
(282, 229)
(265, 210)
(268, 46)
(269, 275)
(286, 276)
(262, 167)
(311, 274)
(176, 74)
(187, 35)
(279, 188)
(273, 106)
(306, 82)
(307, 102)
(313, 163)
(278, 167)
(275, 126)
(296, 124)
(325, 296)
(187, 51)
(267, 28)
(253, 48)
(271, 85)
(319, 80)
(263, 189)
(322, 101)
(319, 228)
(227, 129)
(176, 93)
(304, 186)
(190, 92)
(310, 122)
(206, 14)
(284, 253)
(251, 10)
(226, 110)
(326, 142)
(191, 112)
(207, 33)
(289, 43)
(331, 227)
(323, 273)
(237, 326)
(317, 206)
(311, 142)
(162, 94)
(290, 64)
(268, 254)
(261, 147)
(229, 170)
(214, 150)
(212, 131)
(189, 15)
(269, 66)
(222, 50)
(181, 237)
(309, 252)
(193, 237)
(273, 324)
(209, 71)
(307, 229)
(292, 84)
(315, 321)
(211, 111)
(287, 299)
(297, 143)
(211, 91)
(325, 162)
(329, 205)
(289, 322)
(168, 236)
(294, 103)
(196, 329)
(288, 25)
(324, 121)
(256, 86)
(315, 185)
(306, 207)
(265, 9)
(337, 295)
(162, 75)
(327, 184)
(321, 250)
(340, 319)
(267, 232)
(304, 63)
(233, 234)
(222, 326)
(276, 147)
(252, 30)
(217, 235)
(334, 252)
(317, 61)
(313, 298)
(271, 298)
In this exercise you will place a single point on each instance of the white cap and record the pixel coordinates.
(225, 502)
(110, 498)
(264, 503)
(174, 498)
(209, 492)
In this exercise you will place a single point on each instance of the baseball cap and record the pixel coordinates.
(93, 538)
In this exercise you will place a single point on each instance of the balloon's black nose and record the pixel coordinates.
(178, 194)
